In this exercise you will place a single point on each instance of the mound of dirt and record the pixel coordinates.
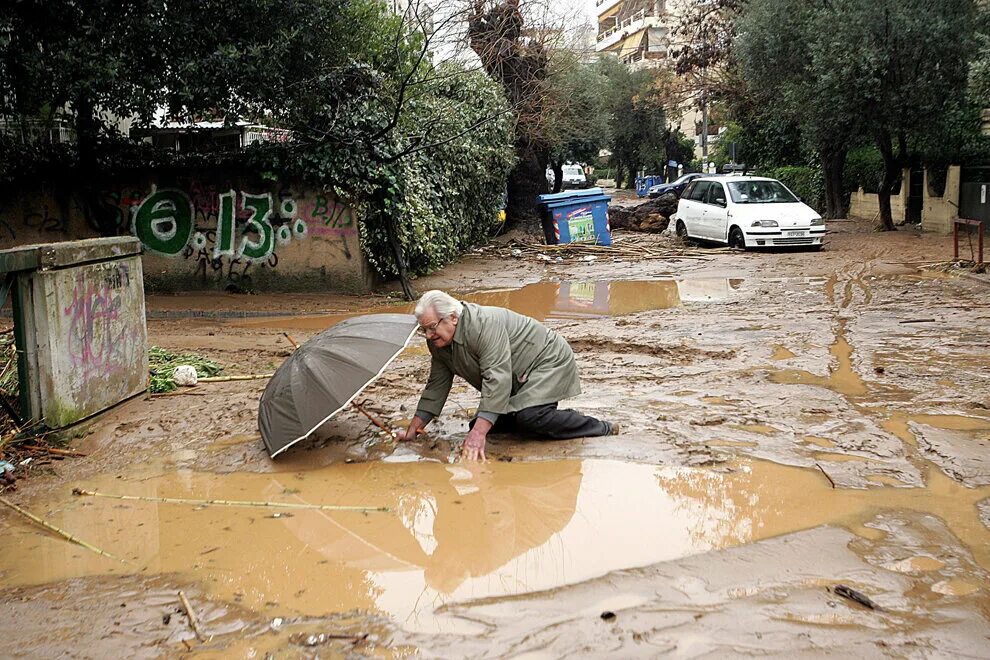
(651, 216)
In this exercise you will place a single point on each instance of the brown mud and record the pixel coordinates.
(790, 422)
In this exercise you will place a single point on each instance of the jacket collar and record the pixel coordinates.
(459, 330)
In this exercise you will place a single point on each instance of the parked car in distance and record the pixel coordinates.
(677, 186)
(745, 212)
(573, 177)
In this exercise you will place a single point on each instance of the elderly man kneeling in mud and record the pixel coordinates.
(522, 369)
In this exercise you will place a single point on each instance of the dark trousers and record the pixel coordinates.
(550, 422)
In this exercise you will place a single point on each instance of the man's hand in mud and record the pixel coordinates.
(474, 446)
(414, 429)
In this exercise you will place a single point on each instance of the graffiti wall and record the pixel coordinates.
(201, 233)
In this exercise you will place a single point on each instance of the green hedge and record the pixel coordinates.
(805, 182)
(864, 169)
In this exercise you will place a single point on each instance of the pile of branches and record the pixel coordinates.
(625, 246)
(955, 266)
(651, 216)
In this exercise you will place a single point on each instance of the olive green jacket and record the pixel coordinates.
(513, 360)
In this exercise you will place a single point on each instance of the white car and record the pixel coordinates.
(747, 211)
(573, 177)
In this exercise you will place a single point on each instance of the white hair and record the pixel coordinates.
(443, 305)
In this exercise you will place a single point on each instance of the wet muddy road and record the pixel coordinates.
(790, 422)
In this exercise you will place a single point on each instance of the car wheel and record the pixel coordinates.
(681, 229)
(736, 239)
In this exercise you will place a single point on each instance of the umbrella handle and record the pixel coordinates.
(374, 420)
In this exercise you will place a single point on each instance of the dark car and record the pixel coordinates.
(676, 187)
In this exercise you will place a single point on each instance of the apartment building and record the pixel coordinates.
(636, 31)
(640, 33)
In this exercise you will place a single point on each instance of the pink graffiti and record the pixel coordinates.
(99, 345)
(327, 216)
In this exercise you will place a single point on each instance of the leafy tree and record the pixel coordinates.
(639, 134)
(915, 54)
(788, 60)
(578, 126)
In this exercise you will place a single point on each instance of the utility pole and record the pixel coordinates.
(704, 122)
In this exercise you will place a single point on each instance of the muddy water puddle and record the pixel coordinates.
(543, 300)
(453, 532)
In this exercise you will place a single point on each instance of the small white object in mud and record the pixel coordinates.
(276, 623)
(517, 253)
(185, 375)
(590, 258)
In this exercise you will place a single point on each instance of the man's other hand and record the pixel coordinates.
(474, 446)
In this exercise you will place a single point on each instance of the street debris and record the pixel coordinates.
(162, 365)
(61, 532)
(191, 613)
(855, 596)
(234, 503)
(625, 246)
(184, 375)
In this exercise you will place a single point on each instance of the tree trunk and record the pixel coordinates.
(833, 164)
(400, 257)
(891, 173)
(631, 183)
(527, 180)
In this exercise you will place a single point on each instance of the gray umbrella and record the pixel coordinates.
(326, 373)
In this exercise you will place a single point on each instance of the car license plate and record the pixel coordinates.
(796, 233)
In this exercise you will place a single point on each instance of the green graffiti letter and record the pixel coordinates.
(163, 222)
(225, 226)
(259, 223)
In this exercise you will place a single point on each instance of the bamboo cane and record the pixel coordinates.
(191, 613)
(235, 503)
(53, 450)
(225, 379)
(61, 532)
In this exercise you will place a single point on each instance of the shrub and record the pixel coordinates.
(864, 169)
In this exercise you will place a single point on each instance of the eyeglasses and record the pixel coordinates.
(430, 329)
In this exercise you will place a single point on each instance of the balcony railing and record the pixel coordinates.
(30, 131)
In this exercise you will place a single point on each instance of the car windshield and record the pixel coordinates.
(760, 192)
(687, 177)
(573, 170)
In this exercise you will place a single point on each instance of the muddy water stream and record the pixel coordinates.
(569, 299)
(454, 532)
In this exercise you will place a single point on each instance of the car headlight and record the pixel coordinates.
(764, 223)
(817, 222)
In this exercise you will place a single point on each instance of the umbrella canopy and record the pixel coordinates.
(326, 373)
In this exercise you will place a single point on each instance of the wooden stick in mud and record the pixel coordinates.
(227, 379)
(291, 340)
(239, 503)
(53, 450)
(61, 532)
(182, 392)
(826, 474)
(191, 613)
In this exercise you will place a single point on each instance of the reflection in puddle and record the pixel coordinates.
(578, 299)
(454, 532)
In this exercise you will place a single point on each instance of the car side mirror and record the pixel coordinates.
(720, 201)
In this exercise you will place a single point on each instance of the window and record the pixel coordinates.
(716, 194)
(760, 192)
(700, 191)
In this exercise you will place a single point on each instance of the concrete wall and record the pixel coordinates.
(207, 232)
(867, 205)
(937, 212)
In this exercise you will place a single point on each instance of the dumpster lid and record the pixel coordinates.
(45, 256)
(574, 197)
